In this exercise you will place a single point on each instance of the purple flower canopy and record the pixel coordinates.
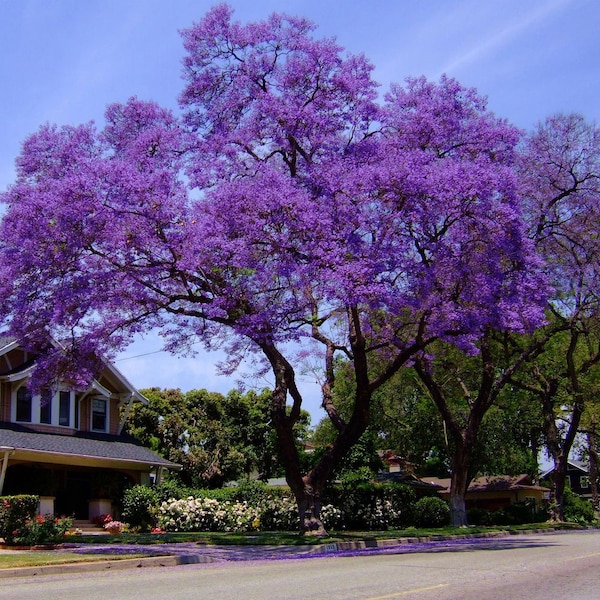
(284, 195)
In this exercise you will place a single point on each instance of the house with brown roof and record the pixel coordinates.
(68, 446)
(494, 492)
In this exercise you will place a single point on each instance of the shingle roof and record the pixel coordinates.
(91, 445)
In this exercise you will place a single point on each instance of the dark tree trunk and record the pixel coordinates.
(459, 484)
(559, 450)
(557, 491)
(594, 460)
(464, 435)
(308, 489)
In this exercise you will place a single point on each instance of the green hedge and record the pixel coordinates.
(375, 506)
(140, 504)
(432, 512)
(15, 513)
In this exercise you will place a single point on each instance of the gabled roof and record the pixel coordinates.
(79, 447)
(24, 371)
(407, 478)
(491, 484)
(576, 464)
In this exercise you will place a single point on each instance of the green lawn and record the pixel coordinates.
(39, 558)
(287, 538)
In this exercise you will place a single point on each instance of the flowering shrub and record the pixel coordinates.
(15, 513)
(373, 506)
(42, 529)
(102, 520)
(114, 526)
(279, 514)
(209, 514)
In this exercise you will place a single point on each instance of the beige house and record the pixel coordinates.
(67, 446)
(496, 491)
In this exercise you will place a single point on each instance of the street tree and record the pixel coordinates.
(466, 391)
(214, 437)
(559, 174)
(287, 213)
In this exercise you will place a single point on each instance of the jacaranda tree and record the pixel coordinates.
(559, 174)
(286, 213)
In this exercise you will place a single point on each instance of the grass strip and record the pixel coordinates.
(289, 538)
(40, 558)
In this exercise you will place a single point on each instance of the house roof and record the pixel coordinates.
(576, 464)
(493, 483)
(81, 446)
(407, 478)
(24, 370)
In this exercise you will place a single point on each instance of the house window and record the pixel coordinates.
(24, 405)
(99, 414)
(584, 481)
(64, 409)
(46, 407)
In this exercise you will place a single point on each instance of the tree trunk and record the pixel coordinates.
(308, 489)
(309, 512)
(459, 483)
(557, 492)
(594, 459)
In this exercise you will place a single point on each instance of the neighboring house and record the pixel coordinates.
(496, 491)
(578, 477)
(67, 446)
(421, 486)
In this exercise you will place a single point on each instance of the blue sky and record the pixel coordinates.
(63, 61)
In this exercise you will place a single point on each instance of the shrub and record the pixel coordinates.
(140, 507)
(432, 512)
(171, 488)
(42, 529)
(373, 505)
(251, 491)
(479, 516)
(278, 513)
(578, 509)
(207, 514)
(15, 513)
(273, 513)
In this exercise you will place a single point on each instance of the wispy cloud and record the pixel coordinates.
(526, 22)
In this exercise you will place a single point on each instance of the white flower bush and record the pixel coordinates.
(208, 514)
(380, 515)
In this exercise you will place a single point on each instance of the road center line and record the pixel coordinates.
(413, 591)
(584, 556)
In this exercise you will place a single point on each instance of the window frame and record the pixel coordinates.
(18, 402)
(93, 413)
(37, 413)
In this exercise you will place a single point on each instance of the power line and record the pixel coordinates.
(138, 355)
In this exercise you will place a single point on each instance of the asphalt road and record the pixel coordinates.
(535, 567)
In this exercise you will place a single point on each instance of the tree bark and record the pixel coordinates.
(308, 489)
(557, 491)
(459, 484)
(594, 460)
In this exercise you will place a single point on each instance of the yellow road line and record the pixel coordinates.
(584, 556)
(398, 594)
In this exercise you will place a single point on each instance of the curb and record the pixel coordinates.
(107, 565)
(385, 543)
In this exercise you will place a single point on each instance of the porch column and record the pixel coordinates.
(7, 452)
